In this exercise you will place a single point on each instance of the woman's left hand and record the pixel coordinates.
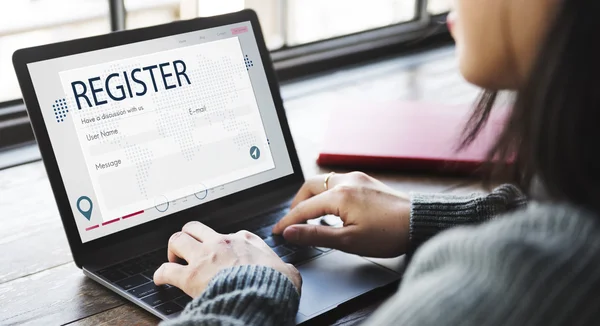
(207, 252)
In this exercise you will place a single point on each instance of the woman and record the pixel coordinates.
(507, 263)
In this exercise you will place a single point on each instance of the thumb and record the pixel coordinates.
(315, 235)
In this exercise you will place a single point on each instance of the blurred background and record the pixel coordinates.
(286, 23)
(306, 38)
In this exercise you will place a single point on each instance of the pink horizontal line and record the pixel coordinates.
(239, 30)
(93, 227)
(111, 221)
(132, 214)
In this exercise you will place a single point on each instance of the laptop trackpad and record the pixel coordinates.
(337, 278)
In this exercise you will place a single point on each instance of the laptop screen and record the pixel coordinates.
(144, 130)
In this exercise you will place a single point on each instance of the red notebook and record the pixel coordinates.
(405, 136)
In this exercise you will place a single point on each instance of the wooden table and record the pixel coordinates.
(40, 285)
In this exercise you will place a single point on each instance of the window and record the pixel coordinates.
(436, 7)
(25, 23)
(340, 17)
(143, 13)
(284, 23)
(301, 33)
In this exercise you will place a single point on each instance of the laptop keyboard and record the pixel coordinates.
(135, 275)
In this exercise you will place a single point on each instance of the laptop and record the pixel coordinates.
(142, 131)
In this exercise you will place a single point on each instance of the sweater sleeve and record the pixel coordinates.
(537, 266)
(243, 295)
(432, 213)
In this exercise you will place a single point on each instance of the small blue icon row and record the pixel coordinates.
(201, 195)
(85, 205)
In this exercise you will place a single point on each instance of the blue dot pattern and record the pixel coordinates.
(60, 110)
(249, 63)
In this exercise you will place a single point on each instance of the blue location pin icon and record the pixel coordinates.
(85, 208)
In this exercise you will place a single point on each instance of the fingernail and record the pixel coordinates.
(156, 273)
(174, 236)
(291, 233)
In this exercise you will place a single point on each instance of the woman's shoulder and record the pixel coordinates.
(536, 222)
(550, 218)
(532, 266)
(536, 266)
(544, 235)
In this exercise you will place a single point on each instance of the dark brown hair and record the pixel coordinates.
(553, 132)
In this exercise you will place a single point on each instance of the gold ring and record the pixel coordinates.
(326, 182)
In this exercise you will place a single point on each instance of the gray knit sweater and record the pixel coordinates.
(537, 265)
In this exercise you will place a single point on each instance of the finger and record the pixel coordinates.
(248, 235)
(182, 245)
(316, 235)
(317, 206)
(307, 190)
(315, 186)
(200, 231)
(170, 273)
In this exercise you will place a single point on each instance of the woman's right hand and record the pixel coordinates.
(376, 218)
